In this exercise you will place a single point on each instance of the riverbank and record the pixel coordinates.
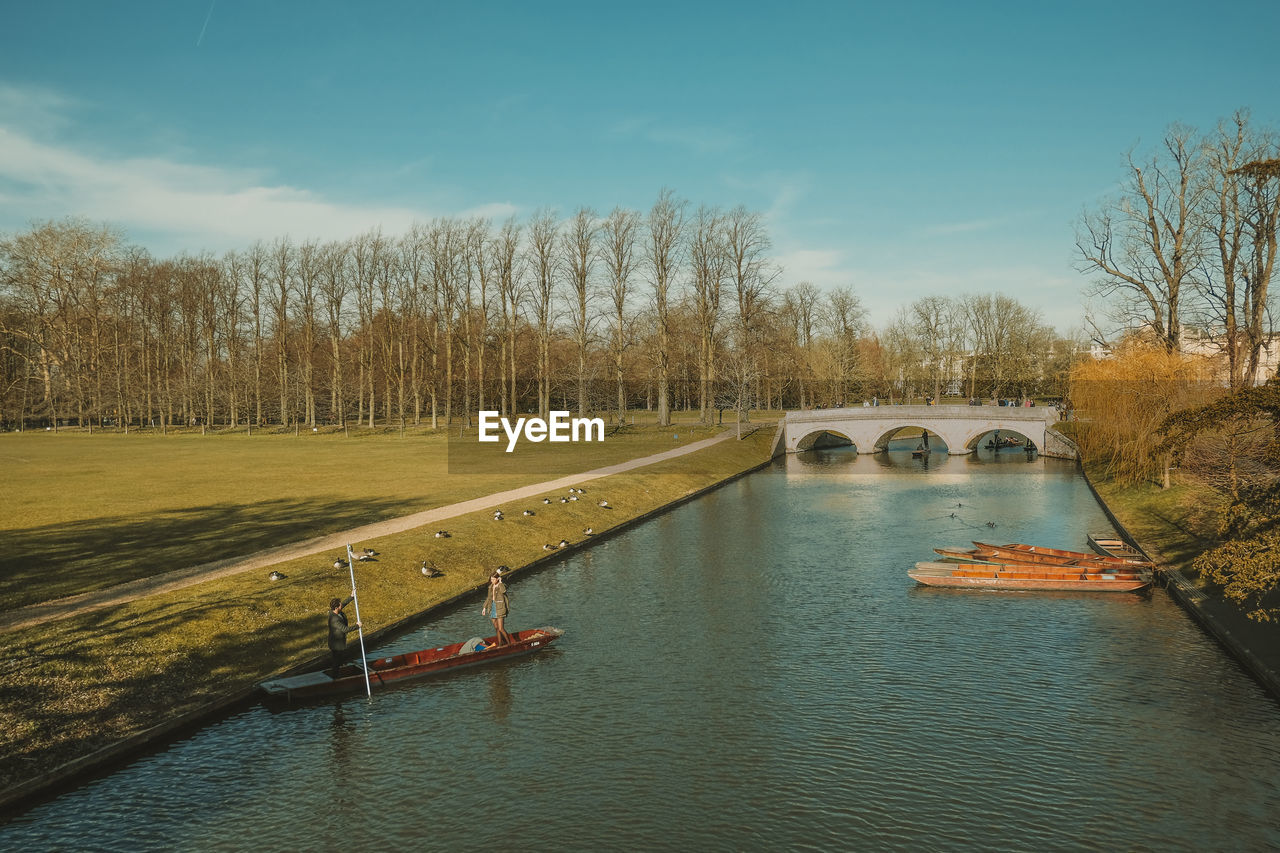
(1173, 526)
(92, 689)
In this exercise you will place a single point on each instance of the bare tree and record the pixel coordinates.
(335, 283)
(845, 319)
(256, 279)
(936, 326)
(578, 242)
(708, 265)
(230, 312)
(484, 252)
(747, 245)
(666, 236)
(367, 253)
(506, 260)
(1009, 344)
(803, 302)
(308, 291)
(1146, 244)
(620, 233)
(59, 275)
(448, 248)
(415, 262)
(1261, 180)
(1241, 206)
(282, 272)
(387, 329)
(542, 260)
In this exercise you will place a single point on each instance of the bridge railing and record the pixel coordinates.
(1034, 414)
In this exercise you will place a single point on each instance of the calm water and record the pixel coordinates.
(755, 671)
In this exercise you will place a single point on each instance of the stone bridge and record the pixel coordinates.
(869, 428)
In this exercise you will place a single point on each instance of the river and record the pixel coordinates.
(754, 671)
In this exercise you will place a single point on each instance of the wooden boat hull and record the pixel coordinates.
(1018, 551)
(1029, 560)
(1027, 577)
(405, 667)
(967, 554)
(1030, 584)
(1115, 548)
(995, 555)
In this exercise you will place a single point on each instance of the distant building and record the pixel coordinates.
(1200, 342)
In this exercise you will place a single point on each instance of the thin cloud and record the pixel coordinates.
(821, 267)
(700, 140)
(187, 206)
(968, 227)
(42, 111)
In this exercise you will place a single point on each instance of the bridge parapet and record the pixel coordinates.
(960, 427)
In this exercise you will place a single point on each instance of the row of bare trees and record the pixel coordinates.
(1191, 239)
(673, 308)
(988, 343)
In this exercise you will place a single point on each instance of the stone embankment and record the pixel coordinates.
(1251, 643)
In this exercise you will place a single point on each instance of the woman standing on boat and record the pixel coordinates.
(496, 606)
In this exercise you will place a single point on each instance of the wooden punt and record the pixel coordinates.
(1116, 548)
(1018, 551)
(410, 665)
(963, 554)
(1000, 553)
(1028, 577)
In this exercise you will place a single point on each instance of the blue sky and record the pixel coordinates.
(905, 149)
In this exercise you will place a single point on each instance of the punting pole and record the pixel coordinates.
(364, 663)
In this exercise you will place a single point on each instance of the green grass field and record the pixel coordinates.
(81, 512)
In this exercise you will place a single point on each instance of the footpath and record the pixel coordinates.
(62, 608)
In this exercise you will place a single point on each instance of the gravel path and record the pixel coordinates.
(61, 608)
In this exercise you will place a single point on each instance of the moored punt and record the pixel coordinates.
(1018, 551)
(997, 554)
(410, 665)
(1028, 577)
(1115, 548)
(968, 554)
(990, 555)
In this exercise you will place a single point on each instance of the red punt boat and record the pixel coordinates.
(1018, 551)
(998, 554)
(995, 554)
(410, 665)
(1030, 576)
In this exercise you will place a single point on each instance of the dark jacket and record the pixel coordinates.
(338, 629)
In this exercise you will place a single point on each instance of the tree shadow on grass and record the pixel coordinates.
(44, 563)
(87, 689)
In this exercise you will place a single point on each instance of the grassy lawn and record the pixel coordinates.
(76, 685)
(1173, 525)
(82, 512)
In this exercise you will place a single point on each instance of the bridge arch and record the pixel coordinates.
(937, 442)
(977, 440)
(814, 440)
(960, 428)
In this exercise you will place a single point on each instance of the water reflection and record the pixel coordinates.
(500, 694)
